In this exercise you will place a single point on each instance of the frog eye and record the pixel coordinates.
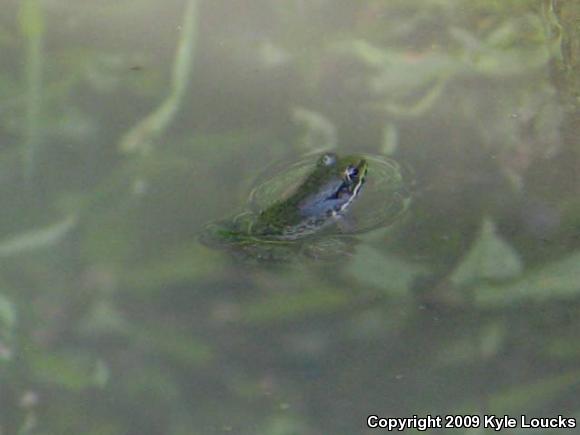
(351, 172)
(328, 159)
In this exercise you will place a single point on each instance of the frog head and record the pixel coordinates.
(332, 187)
(324, 196)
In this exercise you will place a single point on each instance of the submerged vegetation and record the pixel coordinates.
(126, 126)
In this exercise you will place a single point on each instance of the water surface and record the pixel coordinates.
(127, 126)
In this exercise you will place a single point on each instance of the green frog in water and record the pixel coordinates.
(323, 198)
(311, 208)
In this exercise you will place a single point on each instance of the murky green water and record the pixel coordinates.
(127, 126)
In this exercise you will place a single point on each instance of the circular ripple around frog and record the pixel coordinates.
(383, 198)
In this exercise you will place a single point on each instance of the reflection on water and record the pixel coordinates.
(127, 126)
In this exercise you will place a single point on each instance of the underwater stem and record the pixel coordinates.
(152, 126)
(32, 28)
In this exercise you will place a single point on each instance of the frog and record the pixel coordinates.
(320, 201)
(312, 208)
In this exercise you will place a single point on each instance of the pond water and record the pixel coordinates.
(128, 126)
